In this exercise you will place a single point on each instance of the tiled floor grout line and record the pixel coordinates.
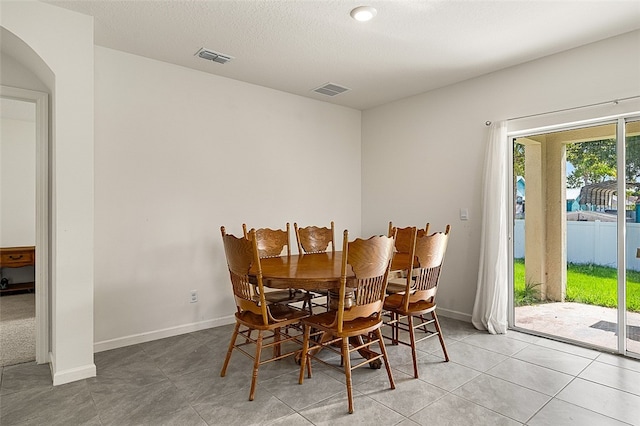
(552, 397)
(95, 406)
(482, 373)
(153, 360)
(451, 392)
(574, 378)
(512, 356)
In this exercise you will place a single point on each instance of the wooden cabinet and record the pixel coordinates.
(17, 257)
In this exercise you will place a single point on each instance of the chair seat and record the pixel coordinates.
(325, 321)
(396, 285)
(284, 315)
(394, 303)
(286, 296)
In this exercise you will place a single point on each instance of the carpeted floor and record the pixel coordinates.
(17, 328)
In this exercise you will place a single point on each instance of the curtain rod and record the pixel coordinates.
(614, 101)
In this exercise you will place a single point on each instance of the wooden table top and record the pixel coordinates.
(318, 271)
(305, 271)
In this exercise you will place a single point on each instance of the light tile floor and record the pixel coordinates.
(491, 380)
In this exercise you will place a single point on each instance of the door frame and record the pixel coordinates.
(621, 156)
(41, 101)
(611, 113)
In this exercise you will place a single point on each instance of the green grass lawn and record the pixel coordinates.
(589, 284)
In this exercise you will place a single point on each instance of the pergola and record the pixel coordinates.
(601, 194)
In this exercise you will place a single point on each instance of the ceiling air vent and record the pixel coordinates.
(210, 55)
(330, 89)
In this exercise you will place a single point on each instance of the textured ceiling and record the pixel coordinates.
(410, 47)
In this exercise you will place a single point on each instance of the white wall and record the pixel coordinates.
(423, 156)
(18, 182)
(17, 179)
(59, 43)
(180, 153)
(17, 74)
(17, 188)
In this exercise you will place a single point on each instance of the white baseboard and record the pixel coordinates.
(454, 314)
(71, 375)
(134, 339)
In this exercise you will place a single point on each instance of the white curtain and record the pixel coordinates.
(490, 307)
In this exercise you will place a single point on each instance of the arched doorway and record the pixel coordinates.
(57, 45)
(14, 48)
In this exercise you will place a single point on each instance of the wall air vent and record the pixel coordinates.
(330, 89)
(210, 55)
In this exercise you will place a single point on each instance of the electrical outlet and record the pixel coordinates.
(194, 296)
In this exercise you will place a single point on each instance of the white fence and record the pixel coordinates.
(590, 242)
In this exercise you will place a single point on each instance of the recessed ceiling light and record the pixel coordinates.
(363, 13)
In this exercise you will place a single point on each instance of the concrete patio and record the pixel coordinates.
(592, 325)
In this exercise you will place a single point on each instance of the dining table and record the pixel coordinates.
(318, 271)
(314, 271)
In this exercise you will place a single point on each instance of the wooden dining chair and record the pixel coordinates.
(358, 317)
(271, 242)
(313, 239)
(419, 296)
(276, 243)
(405, 243)
(252, 310)
(404, 237)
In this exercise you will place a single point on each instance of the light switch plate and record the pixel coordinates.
(464, 214)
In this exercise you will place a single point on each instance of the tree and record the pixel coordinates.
(593, 161)
(518, 159)
(633, 158)
(596, 161)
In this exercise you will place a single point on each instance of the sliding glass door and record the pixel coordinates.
(575, 237)
(631, 285)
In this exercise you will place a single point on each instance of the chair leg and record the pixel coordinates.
(395, 328)
(347, 371)
(308, 303)
(276, 340)
(412, 337)
(305, 354)
(439, 330)
(256, 364)
(385, 358)
(308, 367)
(231, 346)
(424, 326)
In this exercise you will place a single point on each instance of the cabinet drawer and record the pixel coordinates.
(15, 257)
